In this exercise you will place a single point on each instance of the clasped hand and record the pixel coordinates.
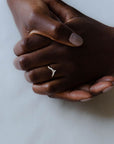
(79, 48)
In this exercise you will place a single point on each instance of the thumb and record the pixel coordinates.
(55, 30)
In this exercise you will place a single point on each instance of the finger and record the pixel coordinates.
(39, 58)
(50, 88)
(100, 87)
(55, 30)
(62, 10)
(103, 85)
(44, 74)
(30, 44)
(76, 95)
(100, 84)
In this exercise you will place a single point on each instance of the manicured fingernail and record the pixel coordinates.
(108, 89)
(75, 39)
(86, 100)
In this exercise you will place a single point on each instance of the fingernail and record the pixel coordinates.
(75, 39)
(86, 100)
(17, 64)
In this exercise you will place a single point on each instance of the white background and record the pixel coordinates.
(27, 118)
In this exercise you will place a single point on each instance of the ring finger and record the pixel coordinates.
(45, 74)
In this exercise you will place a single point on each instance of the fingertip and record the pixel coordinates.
(21, 47)
(34, 88)
(27, 77)
(37, 90)
(17, 63)
(100, 87)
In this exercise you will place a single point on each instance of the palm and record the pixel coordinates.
(86, 92)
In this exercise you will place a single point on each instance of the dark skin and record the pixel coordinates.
(35, 15)
(75, 66)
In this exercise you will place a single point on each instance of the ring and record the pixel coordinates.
(52, 70)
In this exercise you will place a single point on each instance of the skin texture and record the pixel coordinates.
(35, 14)
(75, 66)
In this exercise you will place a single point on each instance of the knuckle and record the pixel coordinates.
(24, 42)
(22, 47)
(56, 29)
(50, 88)
(31, 20)
(31, 16)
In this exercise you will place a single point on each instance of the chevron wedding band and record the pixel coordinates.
(52, 70)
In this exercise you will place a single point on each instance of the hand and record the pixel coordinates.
(80, 93)
(102, 32)
(35, 15)
(87, 92)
